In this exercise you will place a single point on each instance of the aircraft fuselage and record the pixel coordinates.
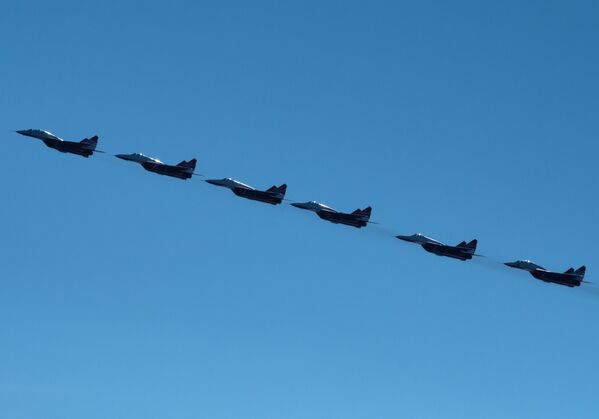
(168, 170)
(449, 251)
(342, 218)
(256, 195)
(72, 147)
(557, 278)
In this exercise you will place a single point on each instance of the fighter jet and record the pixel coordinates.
(183, 170)
(273, 195)
(570, 278)
(83, 148)
(359, 218)
(463, 251)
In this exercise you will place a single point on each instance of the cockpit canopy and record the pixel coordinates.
(232, 183)
(40, 133)
(529, 264)
(320, 206)
(421, 238)
(143, 158)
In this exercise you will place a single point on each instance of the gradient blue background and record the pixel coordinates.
(130, 295)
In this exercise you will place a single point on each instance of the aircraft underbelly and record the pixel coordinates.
(167, 171)
(556, 278)
(445, 251)
(257, 196)
(337, 218)
(68, 147)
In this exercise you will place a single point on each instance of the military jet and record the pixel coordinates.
(570, 278)
(183, 170)
(359, 218)
(273, 195)
(463, 251)
(83, 148)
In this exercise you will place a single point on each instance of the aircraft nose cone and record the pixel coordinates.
(213, 182)
(121, 156)
(297, 205)
(510, 264)
(404, 238)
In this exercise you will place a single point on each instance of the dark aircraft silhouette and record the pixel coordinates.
(570, 278)
(83, 148)
(183, 170)
(359, 218)
(273, 195)
(463, 251)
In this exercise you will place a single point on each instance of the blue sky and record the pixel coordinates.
(127, 294)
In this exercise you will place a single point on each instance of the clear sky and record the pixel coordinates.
(125, 294)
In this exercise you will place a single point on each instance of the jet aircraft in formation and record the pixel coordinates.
(570, 278)
(463, 251)
(183, 170)
(273, 195)
(83, 148)
(359, 218)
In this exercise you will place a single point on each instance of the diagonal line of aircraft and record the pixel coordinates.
(275, 195)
